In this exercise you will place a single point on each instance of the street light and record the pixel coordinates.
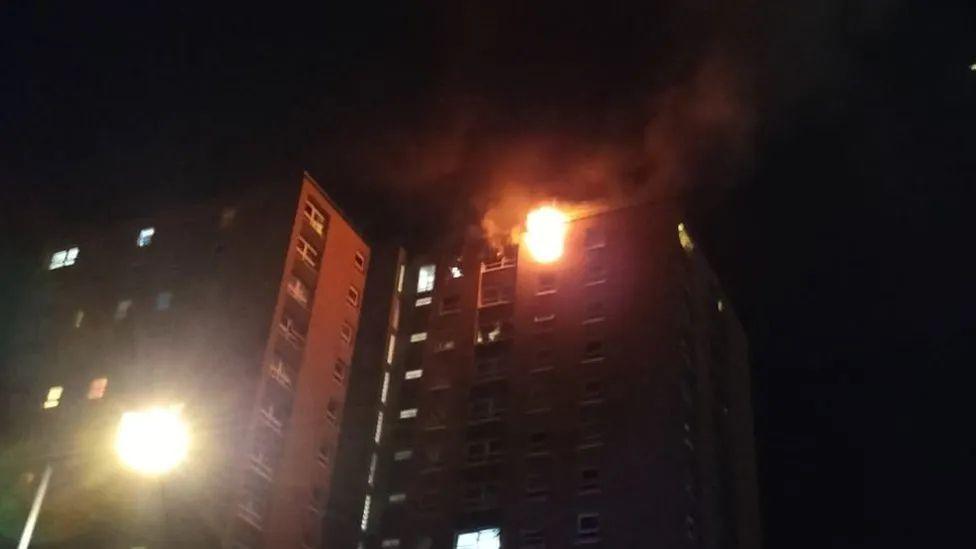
(545, 231)
(152, 441)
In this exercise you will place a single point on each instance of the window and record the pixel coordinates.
(442, 346)
(298, 290)
(122, 309)
(378, 433)
(63, 258)
(538, 442)
(291, 331)
(480, 495)
(592, 391)
(685, 239)
(413, 374)
(324, 456)
(386, 387)
(339, 370)
(390, 348)
(280, 372)
(595, 267)
(588, 525)
(53, 397)
(533, 538)
(419, 336)
(720, 305)
(345, 332)
(408, 413)
(332, 410)
(359, 260)
(593, 313)
(545, 359)
(307, 252)
(486, 538)
(96, 389)
(372, 470)
(145, 237)
(421, 301)
(402, 455)
(593, 351)
(456, 272)
(390, 542)
(545, 322)
(163, 300)
(536, 486)
(594, 238)
(364, 522)
(589, 480)
(547, 284)
(79, 318)
(485, 409)
(450, 304)
(400, 274)
(314, 216)
(352, 296)
(395, 314)
(425, 278)
(227, 216)
(481, 450)
(489, 367)
(496, 295)
(398, 497)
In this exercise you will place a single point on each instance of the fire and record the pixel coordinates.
(545, 231)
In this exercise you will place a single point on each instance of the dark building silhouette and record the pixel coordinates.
(601, 400)
(245, 312)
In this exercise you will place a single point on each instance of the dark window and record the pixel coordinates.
(589, 479)
(339, 371)
(450, 304)
(594, 237)
(538, 442)
(593, 390)
(547, 283)
(593, 350)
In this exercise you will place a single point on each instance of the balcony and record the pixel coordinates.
(248, 511)
(260, 463)
(498, 264)
(289, 330)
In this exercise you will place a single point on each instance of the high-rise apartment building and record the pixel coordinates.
(244, 314)
(598, 400)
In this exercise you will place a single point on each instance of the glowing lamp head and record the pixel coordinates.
(545, 231)
(152, 441)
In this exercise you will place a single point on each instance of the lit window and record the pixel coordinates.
(390, 348)
(588, 525)
(79, 318)
(402, 455)
(63, 258)
(307, 252)
(419, 336)
(145, 237)
(456, 272)
(413, 374)
(352, 296)
(421, 301)
(720, 305)
(53, 397)
(339, 370)
(487, 538)
(163, 300)
(450, 304)
(359, 260)
(399, 497)
(96, 389)
(401, 272)
(685, 239)
(386, 387)
(425, 278)
(378, 433)
(390, 542)
(345, 332)
(314, 216)
(442, 346)
(364, 522)
(408, 413)
(122, 309)
(372, 470)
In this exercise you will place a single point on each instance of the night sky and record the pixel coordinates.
(824, 149)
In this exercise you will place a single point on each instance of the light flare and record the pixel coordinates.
(545, 233)
(152, 441)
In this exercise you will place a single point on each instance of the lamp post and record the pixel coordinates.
(151, 442)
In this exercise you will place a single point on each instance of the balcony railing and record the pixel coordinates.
(499, 264)
(248, 512)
